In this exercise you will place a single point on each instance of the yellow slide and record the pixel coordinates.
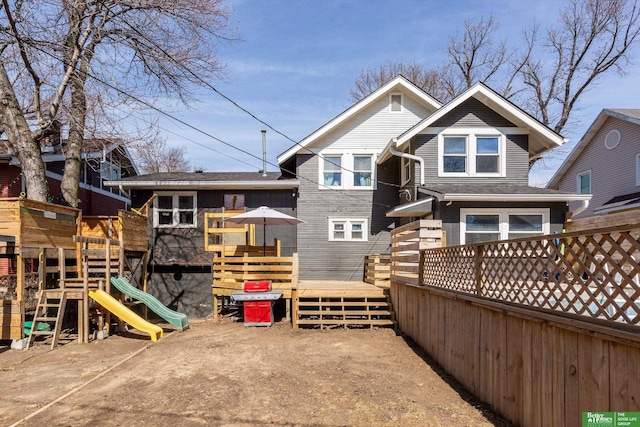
(126, 315)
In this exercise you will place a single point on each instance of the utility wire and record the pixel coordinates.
(236, 104)
(178, 120)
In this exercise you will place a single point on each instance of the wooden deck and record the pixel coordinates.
(338, 287)
(331, 303)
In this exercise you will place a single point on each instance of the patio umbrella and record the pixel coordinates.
(266, 216)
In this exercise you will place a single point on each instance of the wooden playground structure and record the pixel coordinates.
(66, 256)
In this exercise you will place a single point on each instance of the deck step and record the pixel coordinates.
(340, 322)
(340, 310)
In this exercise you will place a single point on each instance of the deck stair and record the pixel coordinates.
(50, 309)
(331, 306)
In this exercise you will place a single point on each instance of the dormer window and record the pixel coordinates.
(395, 104)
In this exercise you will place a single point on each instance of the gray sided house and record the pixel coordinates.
(467, 164)
(398, 155)
(605, 163)
(344, 193)
(179, 268)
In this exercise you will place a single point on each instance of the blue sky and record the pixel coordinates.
(299, 59)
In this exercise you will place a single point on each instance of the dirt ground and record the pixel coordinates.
(224, 374)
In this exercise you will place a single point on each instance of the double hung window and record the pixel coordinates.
(348, 229)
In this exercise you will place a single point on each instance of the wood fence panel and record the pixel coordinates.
(557, 360)
(536, 377)
(544, 367)
(633, 399)
(619, 390)
(533, 369)
(511, 379)
(529, 360)
(571, 380)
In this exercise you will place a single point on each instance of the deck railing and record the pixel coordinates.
(377, 269)
(592, 274)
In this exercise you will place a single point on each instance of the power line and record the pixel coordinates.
(237, 105)
(178, 120)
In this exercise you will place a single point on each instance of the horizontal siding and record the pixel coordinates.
(373, 127)
(613, 172)
(185, 246)
(472, 113)
(321, 259)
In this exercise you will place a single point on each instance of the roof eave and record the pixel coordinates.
(555, 139)
(354, 109)
(462, 197)
(206, 185)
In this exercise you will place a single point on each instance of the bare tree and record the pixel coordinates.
(425, 79)
(550, 74)
(154, 156)
(593, 37)
(58, 49)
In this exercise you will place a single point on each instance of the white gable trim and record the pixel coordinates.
(393, 85)
(503, 104)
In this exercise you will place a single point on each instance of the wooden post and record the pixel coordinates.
(294, 291)
(83, 304)
(107, 258)
(477, 265)
(42, 269)
(20, 290)
(62, 265)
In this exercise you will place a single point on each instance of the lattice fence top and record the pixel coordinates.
(595, 275)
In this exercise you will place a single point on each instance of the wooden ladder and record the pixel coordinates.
(50, 308)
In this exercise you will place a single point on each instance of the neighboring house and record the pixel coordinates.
(102, 160)
(399, 155)
(605, 163)
(179, 268)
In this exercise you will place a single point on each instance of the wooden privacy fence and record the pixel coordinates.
(543, 329)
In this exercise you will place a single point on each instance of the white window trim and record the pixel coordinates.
(347, 170)
(470, 134)
(391, 95)
(405, 164)
(638, 169)
(578, 189)
(504, 219)
(175, 195)
(348, 229)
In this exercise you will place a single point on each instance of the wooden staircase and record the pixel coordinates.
(347, 307)
(50, 309)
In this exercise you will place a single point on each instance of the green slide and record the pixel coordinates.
(179, 320)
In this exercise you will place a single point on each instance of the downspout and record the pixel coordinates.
(585, 205)
(408, 156)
